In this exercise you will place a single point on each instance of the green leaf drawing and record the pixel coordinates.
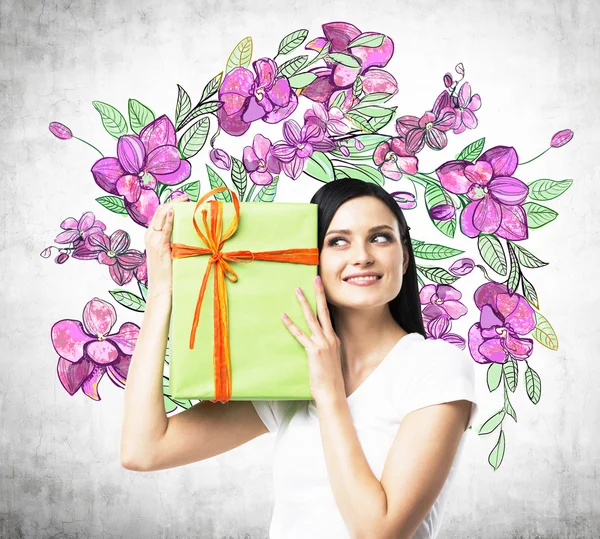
(375, 97)
(241, 56)
(291, 67)
(435, 195)
(544, 332)
(113, 203)
(433, 251)
(492, 253)
(143, 290)
(492, 423)
(514, 274)
(201, 110)
(379, 123)
(373, 111)
(526, 259)
(192, 189)
(319, 167)
(508, 406)
(139, 115)
(511, 374)
(112, 120)
(182, 107)
(357, 87)
(339, 100)
(497, 455)
(239, 176)
(359, 122)
(301, 80)
(371, 40)
(494, 376)
(291, 42)
(548, 189)
(215, 182)
(268, 192)
(344, 59)
(538, 215)
(437, 275)
(128, 300)
(533, 384)
(170, 406)
(212, 87)
(194, 139)
(472, 151)
(529, 292)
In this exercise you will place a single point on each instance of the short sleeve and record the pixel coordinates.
(440, 372)
(271, 413)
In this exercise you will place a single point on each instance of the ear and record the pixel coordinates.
(405, 259)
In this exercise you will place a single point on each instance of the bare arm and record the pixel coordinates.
(149, 439)
(144, 418)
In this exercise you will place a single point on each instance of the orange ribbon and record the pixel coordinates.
(214, 242)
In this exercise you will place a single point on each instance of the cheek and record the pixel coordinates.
(330, 267)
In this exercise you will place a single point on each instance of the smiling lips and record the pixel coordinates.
(362, 281)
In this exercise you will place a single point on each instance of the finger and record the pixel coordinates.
(311, 320)
(158, 219)
(301, 337)
(168, 227)
(160, 215)
(180, 197)
(323, 310)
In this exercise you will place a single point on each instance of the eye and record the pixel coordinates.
(331, 242)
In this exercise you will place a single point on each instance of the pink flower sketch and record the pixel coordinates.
(430, 128)
(299, 145)
(115, 253)
(77, 231)
(87, 351)
(260, 161)
(465, 106)
(495, 194)
(142, 161)
(393, 159)
(503, 323)
(247, 97)
(338, 77)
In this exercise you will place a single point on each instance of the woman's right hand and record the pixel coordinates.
(158, 249)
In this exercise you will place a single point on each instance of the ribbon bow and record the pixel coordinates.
(220, 260)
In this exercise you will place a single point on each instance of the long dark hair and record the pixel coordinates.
(406, 306)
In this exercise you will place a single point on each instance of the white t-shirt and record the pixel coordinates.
(417, 372)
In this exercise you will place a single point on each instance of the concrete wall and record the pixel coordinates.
(535, 66)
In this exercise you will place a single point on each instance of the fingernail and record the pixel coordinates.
(170, 213)
(299, 291)
(318, 280)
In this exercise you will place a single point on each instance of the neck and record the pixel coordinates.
(366, 335)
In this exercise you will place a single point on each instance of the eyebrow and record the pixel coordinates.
(346, 231)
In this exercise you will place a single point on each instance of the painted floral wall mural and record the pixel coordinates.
(353, 127)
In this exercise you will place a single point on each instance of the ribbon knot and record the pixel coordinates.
(220, 261)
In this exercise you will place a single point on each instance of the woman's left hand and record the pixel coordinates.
(322, 347)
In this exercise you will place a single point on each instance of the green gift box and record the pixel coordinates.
(265, 361)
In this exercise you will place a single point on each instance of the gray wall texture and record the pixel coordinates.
(536, 68)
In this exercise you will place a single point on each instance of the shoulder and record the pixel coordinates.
(430, 356)
(434, 371)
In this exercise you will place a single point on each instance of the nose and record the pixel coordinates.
(362, 255)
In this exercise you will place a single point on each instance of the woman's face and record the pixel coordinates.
(360, 251)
